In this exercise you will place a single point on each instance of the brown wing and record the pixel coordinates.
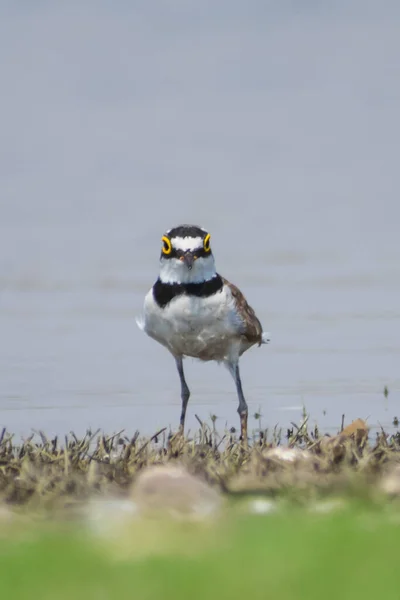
(252, 328)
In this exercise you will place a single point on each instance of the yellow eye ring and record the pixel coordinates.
(206, 243)
(167, 246)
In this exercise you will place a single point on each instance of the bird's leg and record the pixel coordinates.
(185, 392)
(242, 408)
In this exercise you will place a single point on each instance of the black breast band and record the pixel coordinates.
(165, 292)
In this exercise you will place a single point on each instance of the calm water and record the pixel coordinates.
(259, 127)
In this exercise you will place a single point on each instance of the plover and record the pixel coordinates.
(193, 311)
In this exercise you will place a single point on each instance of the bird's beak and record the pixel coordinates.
(188, 259)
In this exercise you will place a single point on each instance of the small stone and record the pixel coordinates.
(288, 455)
(172, 490)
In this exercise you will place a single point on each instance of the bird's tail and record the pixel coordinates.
(265, 337)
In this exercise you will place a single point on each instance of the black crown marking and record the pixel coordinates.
(186, 231)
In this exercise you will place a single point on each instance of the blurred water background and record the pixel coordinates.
(275, 125)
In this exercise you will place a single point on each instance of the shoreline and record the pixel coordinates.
(50, 473)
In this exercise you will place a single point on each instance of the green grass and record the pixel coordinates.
(286, 556)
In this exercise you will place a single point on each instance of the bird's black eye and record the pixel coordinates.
(206, 243)
(167, 246)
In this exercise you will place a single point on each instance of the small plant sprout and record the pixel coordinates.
(213, 419)
(258, 416)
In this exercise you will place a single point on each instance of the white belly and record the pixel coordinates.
(205, 328)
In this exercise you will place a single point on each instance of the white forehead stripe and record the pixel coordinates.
(187, 243)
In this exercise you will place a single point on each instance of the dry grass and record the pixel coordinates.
(49, 473)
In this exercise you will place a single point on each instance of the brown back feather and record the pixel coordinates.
(252, 328)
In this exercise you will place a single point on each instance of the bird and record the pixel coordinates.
(195, 312)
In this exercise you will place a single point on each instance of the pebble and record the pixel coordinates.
(172, 490)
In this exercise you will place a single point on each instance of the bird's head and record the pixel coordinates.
(186, 255)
